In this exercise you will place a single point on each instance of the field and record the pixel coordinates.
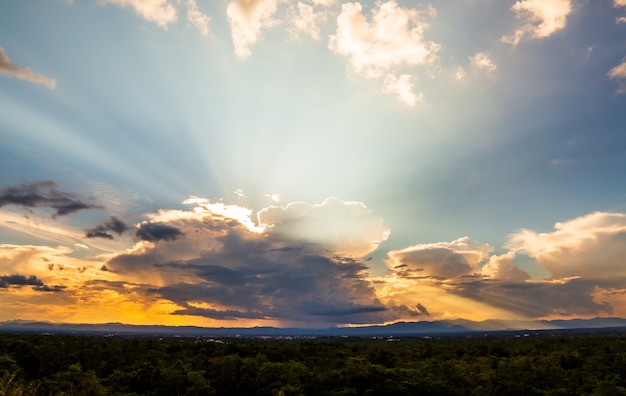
(522, 365)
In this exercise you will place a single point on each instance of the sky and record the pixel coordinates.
(313, 163)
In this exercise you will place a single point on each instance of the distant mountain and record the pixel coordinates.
(595, 323)
(424, 328)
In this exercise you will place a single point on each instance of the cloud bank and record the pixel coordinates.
(307, 265)
(583, 257)
(211, 262)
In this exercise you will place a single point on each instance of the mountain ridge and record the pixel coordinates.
(402, 328)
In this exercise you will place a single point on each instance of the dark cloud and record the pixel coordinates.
(217, 267)
(93, 233)
(43, 194)
(46, 288)
(20, 280)
(342, 310)
(220, 315)
(402, 310)
(568, 297)
(300, 287)
(154, 232)
(102, 230)
(422, 309)
(102, 285)
(227, 276)
(397, 267)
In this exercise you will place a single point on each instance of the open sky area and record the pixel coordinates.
(312, 163)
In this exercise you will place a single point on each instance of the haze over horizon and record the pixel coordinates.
(315, 163)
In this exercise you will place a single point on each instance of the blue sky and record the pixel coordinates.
(312, 162)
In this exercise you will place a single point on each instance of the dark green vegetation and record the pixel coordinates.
(73, 365)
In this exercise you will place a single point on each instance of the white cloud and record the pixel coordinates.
(338, 227)
(402, 87)
(274, 197)
(502, 267)
(161, 12)
(591, 246)
(617, 4)
(247, 18)
(393, 38)
(482, 61)
(23, 73)
(541, 18)
(584, 257)
(305, 20)
(325, 3)
(239, 193)
(451, 280)
(618, 73)
(197, 18)
(442, 259)
(459, 73)
(206, 209)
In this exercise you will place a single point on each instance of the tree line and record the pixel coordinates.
(95, 365)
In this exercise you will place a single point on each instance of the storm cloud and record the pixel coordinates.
(216, 264)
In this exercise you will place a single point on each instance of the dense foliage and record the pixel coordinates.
(73, 365)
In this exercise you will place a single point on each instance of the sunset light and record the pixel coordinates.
(312, 163)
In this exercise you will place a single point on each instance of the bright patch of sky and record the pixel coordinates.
(313, 162)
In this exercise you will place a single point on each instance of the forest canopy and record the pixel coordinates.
(96, 365)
